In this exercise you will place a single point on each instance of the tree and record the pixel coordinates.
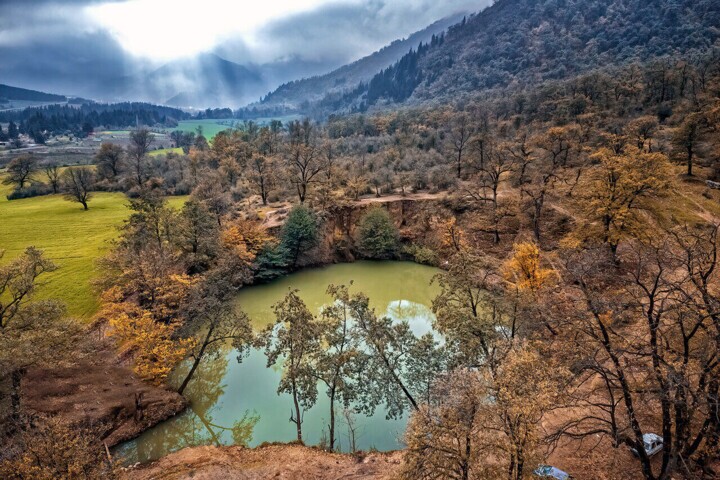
(294, 338)
(32, 333)
(261, 175)
(18, 281)
(557, 145)
(461, 132)
(300, 232)
(388, 344)
(20, 171)
(13, 132)
(303, 161)
(643, 129)
(154, 344)
(197, 236)
(77, 183)
(618, 190)
(685, 139)
(140, 141)
(52, 172)
(469, 308)
(337, 363)
(377, 235)
(109, 161)
(219, 323)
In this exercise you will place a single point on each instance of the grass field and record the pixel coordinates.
(69, 236)
(210, 127)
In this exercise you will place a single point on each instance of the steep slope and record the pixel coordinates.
(296, 93)
(521, 42)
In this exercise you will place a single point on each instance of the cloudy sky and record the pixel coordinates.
(77, 42)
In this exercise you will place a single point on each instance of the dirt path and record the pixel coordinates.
(276, 461)
(398, 198)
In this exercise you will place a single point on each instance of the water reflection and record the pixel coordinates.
(237, 403)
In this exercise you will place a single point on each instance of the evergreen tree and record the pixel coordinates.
(300, 232)
(378, 237)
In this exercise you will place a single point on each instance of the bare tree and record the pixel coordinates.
(52, 172)
(140, 142)
(77, 184)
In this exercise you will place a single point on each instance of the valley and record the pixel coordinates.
(236, 243)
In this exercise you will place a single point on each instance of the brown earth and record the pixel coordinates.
(99, 391)
(292, 462)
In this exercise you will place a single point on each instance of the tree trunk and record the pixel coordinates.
(197, 361)
(332, 420)
(298, 418)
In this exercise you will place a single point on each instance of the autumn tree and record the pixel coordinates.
(685, 139)
(51, 448)
(554, 147)
(153, 344)
(642, 130)
(78, 183)
(196, 236)
(294, 340)
(618, 189)
(32, 332)
(469, 309)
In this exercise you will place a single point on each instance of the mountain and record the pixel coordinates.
(204, 81)
(14, 93)
(294, 94)
(522, 42)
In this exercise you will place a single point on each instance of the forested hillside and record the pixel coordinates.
(297, 93)
(523, 42)
(14, 93)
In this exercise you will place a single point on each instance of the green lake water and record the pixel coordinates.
(237, 403)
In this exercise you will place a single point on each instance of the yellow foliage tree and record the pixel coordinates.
(617, 189)
(153, 343)
(246, 239)
(524, 268)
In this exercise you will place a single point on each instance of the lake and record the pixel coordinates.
(237, 403)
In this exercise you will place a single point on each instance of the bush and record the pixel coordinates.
(34, 190)
(377, 236)
(420, 254)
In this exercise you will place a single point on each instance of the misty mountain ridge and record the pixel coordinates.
(517, 43)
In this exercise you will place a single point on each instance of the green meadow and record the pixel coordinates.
(71, 237)
(212, 127)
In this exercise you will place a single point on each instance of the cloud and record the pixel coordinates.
(90, 47)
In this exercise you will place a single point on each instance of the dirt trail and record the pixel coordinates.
(291, 462)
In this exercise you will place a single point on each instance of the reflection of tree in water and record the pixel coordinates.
(196, 426)
(413, 312)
